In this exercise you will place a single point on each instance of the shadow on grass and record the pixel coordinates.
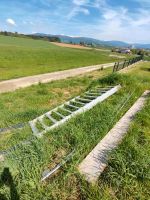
(7, 179)
(146, 69)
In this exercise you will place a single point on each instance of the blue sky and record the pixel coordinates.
(126, 20)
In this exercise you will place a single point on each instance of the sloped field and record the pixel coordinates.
(127, 176)
(21, 57)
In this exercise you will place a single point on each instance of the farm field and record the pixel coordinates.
(20, 57)
(127, 175)
(76, 46)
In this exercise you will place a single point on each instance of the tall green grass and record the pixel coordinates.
(26, 104)
(127, 174)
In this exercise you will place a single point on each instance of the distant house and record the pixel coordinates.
(125, 51)
(121, 50)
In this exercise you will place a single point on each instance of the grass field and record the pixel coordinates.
(147, 58)
(127, 176)
(38, 100)
(21, 57)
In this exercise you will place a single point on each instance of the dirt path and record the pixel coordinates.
(13, 84)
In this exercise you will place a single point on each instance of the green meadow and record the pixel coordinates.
(20, 57)
(127, 176)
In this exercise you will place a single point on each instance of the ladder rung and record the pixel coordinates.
(106, 87)
(42, 123)
(96, 91)
(72, 106)
(66, 110)
(62, 116)
(81, 103)
(81, 99)
(34, 128)
(92, 93)
(51, 118)
(88, 96)
(102, 88)
(103, 91)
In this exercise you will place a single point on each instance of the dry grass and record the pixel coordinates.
(76, 46)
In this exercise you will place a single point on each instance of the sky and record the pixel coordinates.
(123, 20)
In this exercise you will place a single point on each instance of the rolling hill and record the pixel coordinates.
(113, 43)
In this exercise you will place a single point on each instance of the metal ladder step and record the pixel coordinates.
(72, 106)
(81, 103)
(42, 123)
(34, 129)
(92, 93)
(59, 114)
(81, 99)
(90, 97)
(51, 118)
(108, 87)
(99, 89)
(66, 110)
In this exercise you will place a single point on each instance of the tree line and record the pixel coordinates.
(35, 37)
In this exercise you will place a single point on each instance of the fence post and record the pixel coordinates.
(124, 64)
(114, 68)
(118, 66)
(129, 62)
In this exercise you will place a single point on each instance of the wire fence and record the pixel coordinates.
(121, 65)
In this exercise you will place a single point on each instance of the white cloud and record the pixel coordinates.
(80, 2)
(11, 22)
(76, 11)
(142, 18)
(84, 11)
(79, 6)
(99, 3)
(90, 3)
(118, 23)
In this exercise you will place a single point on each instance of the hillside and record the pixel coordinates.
(21, 57)
(112, 43)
